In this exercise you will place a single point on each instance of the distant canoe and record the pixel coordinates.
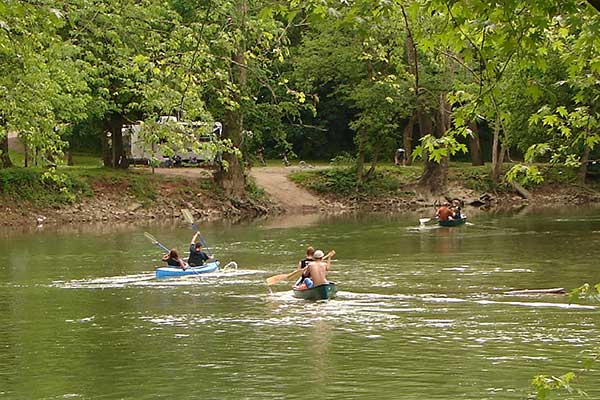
(168, 272)
(453, 222)
(536, 291)
(321, 292)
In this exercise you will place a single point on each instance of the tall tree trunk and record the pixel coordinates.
(435, 175)
(360, 165)
(106, 149)
(231, 179)
(118, 152)
(497, 157)
(582, 173)
(407, 135)
(585, 157)
(5, 161)
(374, 159)
(413, 65)
(25, 154)
(475, 145)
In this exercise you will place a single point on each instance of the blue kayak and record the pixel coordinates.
(167, 272)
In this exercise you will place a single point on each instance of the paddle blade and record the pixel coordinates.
(156, 242)
(272, 280)
(423, 221)
(294, 275)
(150, 237)
(187, 215)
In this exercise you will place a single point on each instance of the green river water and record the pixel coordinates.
(420, 313)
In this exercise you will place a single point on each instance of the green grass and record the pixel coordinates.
(41, 187)
(44, 187)
(79, 160)
(342, 181)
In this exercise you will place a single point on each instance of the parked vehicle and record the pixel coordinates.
(192, 148)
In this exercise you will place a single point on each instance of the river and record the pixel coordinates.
(420, 313)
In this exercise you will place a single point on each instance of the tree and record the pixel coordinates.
(42, 86)
(137, 57)
(360, 59)
(571, 121)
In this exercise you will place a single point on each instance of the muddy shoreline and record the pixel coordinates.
(111, 207)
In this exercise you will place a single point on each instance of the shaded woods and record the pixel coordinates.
(313, 80)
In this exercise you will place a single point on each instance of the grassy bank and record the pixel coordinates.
(43, 188)
(390, 180)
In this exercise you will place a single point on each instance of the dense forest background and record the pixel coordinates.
(474, 80)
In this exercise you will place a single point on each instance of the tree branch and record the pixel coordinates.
(595, 4)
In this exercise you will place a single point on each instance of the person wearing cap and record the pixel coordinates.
(455, 207)
(197, 256)
(316, 271)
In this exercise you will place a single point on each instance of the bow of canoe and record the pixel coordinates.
(321, 292)
(453, 222)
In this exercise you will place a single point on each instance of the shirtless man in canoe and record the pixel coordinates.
(317, 270)
(444, 213)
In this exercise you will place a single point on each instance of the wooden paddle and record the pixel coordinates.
(292, 275)
(189, 218)
(156, 242)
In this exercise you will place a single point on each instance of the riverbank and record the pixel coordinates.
(86, 195)
(394, 188)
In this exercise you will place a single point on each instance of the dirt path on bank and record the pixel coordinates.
(274, 181)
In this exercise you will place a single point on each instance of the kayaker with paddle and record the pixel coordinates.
(444, 213)
(316, 271)
(173, 260)
(197, 256)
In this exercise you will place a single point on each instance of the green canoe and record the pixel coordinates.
(453, 222)
(321, 292)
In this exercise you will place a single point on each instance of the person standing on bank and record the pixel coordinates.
(197, 256)
(400, 157)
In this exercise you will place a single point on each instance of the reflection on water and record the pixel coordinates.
(421, 313)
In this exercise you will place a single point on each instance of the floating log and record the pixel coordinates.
(536, 291)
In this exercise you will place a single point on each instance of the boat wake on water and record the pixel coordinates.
(149, 280)
(105, 282)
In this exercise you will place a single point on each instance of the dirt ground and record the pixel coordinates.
(273, 180)
(287, 194)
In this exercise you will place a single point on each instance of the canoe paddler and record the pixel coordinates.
(310, 251)
(316, 271)
(197, 256)
(444, 213)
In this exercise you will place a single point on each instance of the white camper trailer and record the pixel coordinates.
(193, 151)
